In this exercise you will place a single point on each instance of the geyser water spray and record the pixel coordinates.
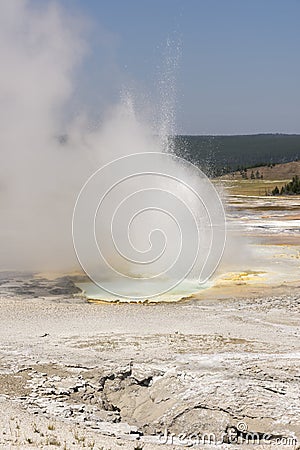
(148, 224)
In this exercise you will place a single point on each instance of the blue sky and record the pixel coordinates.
(239, 66)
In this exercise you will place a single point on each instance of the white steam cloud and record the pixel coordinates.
(40, 49)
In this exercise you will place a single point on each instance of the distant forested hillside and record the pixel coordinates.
(221, 154)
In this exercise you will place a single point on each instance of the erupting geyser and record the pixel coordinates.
(146, 224)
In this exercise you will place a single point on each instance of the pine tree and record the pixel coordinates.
(291, 188)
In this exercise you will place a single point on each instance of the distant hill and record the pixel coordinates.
(217, 155)
(277, 172)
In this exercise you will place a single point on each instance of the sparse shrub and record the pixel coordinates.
(78, 437)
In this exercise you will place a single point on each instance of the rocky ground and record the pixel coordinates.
(79, 375)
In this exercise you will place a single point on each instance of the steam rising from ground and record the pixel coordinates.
(41, 176)
(40, 49)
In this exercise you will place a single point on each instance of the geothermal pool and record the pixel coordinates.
(183, 290)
